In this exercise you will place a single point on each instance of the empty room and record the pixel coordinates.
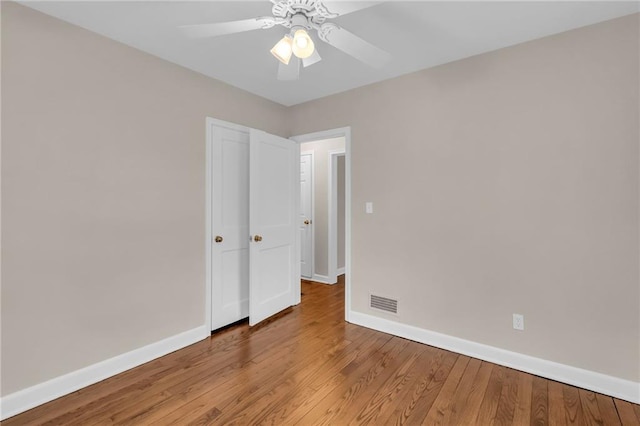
(320, 212)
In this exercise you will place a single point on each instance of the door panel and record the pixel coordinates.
(273, 217)
(305, 223)
(230, 220)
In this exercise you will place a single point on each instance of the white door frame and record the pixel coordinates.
(329, 134)
(333, 213)
(313, 213)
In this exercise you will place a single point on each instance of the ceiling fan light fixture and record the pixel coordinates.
(283, 49)
(303, 46)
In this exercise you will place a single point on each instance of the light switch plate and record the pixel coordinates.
(368, 207)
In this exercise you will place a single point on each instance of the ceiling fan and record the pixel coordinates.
(297, 47)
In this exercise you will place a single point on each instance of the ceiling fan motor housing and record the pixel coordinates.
(308, 14)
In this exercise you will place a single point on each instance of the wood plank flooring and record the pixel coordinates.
(308, 367)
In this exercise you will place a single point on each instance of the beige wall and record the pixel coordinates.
(321, 150)
(103, 186)
(504, 183)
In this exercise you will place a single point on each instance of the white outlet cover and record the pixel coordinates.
(368, 207)
(518, 322)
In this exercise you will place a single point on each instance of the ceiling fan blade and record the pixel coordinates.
(291, 71)
(353, 45)
(224, 28)
(315, 57)
(340, 8)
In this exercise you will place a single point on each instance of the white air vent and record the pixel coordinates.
(383, 304)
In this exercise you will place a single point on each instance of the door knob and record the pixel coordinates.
(257, 238)
(218, 239)
(307, 222)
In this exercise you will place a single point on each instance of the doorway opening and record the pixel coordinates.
(325, 210)
(322, 214)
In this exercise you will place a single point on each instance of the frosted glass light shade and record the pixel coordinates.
(303, 46)
(283, 49)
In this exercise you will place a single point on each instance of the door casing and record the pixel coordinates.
(332, 257)
(311, 216)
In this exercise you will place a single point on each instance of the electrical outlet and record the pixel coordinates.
(518, 322)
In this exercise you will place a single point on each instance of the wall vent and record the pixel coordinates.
(383, 304)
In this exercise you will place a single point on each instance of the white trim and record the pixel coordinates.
(325, 134)
(332, 209)
(321, 279)
(340, 271)
(328, 134)
(227, 124)
(597, 382)
(41, 393)
(313, 211)
(296, 297)
(347, 223)
(208, 287)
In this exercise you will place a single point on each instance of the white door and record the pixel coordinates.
(306, 241)
(230, 226)
(274, 250)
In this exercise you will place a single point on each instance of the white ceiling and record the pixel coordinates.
(417, 34)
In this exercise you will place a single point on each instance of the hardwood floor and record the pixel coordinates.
(309, 367)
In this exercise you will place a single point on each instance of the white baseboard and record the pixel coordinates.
(33, 396)
(321, 279)
(597, 382)
(340, 271)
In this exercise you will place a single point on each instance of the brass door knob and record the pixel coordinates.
(307, 222)
(218, 239)
(257, 238)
